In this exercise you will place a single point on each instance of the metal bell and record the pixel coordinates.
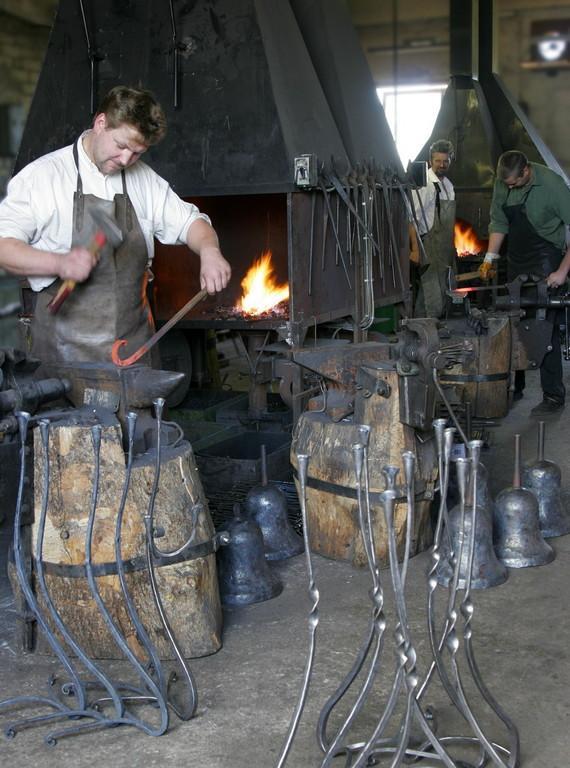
(518, 540)
(543, 478)
(267, 506)
(244, 574)
(487, 570)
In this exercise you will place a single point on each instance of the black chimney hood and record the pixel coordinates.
(247, 86)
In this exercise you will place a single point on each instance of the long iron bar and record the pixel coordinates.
(313, 620)
(151, 553)
(311, 242)
(447, 404)
(452, 643)
(154, 663)
(374, 637)
(467, 612)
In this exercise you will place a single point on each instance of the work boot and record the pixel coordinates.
(548, 406)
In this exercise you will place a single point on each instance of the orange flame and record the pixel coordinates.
(260, 291)
(466, 241)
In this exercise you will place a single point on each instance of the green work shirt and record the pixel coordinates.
(547, 205)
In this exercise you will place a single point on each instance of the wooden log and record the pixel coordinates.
(189, 589)
(484, 380)
(332, 507)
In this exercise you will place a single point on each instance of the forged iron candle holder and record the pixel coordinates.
(88, 698)
(393, 739)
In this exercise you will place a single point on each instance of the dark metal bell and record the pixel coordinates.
(487, 570)
(267, 506)
(518, 540)
(543, 478)
(243, 572)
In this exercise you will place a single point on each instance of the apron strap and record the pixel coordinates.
(79, 202)
(129, 207)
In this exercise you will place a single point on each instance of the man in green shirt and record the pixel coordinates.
(531, 204)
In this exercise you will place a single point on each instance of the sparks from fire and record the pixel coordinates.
(466, 241)
(261, 292)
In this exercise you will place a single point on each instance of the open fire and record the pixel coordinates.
(261, 292)
(466, 241)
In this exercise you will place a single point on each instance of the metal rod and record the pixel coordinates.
(192, 703)
(312, 241)
(175, 87)
(313, 620)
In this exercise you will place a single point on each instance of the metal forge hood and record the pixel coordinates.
(479, 115)
(247, 86)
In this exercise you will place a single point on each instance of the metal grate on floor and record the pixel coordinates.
(222, 504)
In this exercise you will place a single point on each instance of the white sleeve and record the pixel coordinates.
(17, 215)
(171, 216)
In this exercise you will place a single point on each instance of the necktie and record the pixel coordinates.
(437, 199)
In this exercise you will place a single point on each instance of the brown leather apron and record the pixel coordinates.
(111, 304)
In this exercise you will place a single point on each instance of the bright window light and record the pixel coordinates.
(411, 111)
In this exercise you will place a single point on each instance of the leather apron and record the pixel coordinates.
(112, 303)
(529, 253)
(438, 244)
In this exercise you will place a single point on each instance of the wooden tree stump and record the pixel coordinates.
(484, 381)
(189, 589)
(332, 507)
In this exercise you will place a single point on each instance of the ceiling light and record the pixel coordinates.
(551, 48)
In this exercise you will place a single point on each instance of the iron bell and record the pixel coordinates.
(244, 574)
(487, 570)
(267, 506)
(518, 540)
(543, 478)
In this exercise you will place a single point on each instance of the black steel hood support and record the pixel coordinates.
(478, 113)
(258, 82)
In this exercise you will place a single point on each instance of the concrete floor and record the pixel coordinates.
(248, 690)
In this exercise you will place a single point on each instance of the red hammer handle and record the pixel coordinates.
(67, 286)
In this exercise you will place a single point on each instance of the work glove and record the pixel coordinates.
(487, 269)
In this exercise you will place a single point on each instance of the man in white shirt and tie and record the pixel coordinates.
(435, 211)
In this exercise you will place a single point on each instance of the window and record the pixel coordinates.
(411, 111)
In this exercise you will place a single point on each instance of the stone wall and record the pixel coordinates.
(22, 50)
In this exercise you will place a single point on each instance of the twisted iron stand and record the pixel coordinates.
(99, 702)
(392, 741)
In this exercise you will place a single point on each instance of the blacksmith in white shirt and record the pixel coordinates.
(47, 228)
(435, 211)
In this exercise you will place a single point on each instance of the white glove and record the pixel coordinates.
(490, 257)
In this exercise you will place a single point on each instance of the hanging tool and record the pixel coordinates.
(94, 59)
(156, 336)
(107, 231)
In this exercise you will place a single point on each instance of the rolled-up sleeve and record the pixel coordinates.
(17, 216)
(561, 199)
(172, 216)
(499, 221)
